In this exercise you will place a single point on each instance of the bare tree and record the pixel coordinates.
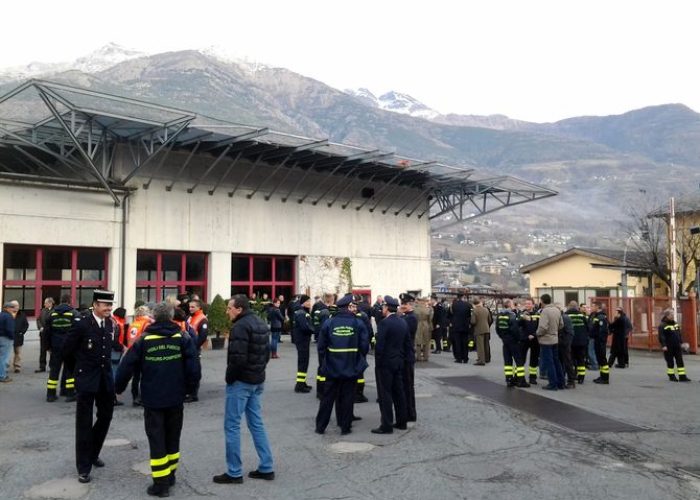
(647, 236)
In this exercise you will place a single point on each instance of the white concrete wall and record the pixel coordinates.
(389, 254)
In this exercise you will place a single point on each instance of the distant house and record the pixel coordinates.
(580, 273)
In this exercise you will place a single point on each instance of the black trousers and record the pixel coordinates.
(618, 350)
(534, 347)
(392, 396)
(459, 345)
(89, 436)
(163, 428)
(437, 337)
(303, 344)
(600, 348)
(409, 374)
(56, 362)
(135, 381)
(198, 361)
(43, 348)
(341, 393)
(674, 353)
(565, 358)
(513, 361)
(578, 354)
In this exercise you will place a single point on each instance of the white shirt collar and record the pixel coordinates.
(97, 318)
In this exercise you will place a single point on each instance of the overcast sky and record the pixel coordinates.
(538, 60)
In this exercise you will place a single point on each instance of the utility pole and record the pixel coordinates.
(672, 247)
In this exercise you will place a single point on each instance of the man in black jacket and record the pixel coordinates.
(461, 322)
(166, 359)
(90, 341)
(248, 354)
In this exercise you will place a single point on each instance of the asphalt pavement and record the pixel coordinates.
(464, 445)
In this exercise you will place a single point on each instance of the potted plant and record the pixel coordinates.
(219, 323)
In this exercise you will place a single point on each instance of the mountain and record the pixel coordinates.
(598, 164)
(98, 60)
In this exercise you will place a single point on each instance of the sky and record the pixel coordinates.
(535, 60)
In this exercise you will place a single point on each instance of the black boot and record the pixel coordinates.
(302, 387)
(159, 490)
(360, 393)
(521, 382)
(683, 378)
(533, 379)
(672, 377)
(580, 379)
(511, 381)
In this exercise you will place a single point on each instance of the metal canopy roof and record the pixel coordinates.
(52, 132)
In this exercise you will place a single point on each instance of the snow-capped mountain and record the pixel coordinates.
(101, 59)
(394, 101)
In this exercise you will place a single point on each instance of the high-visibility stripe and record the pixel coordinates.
(508, 370)
(52, 384)
(161, 473)
(70, 386)
(681, 370)
(69, 380)
(301, 377)
(320, 378)
(670, 371)
(159, 461)
(533, 370)
(360, 381)
(581, 370)
(520, 371)
(173, 467)
(343, 349)
(605, 369)
(157, 337)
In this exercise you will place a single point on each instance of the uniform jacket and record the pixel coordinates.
(528, 322)
(481, 320)
(599, 326)
(199, 323)
(461, 315)
(319, 313)
(567, 332)
(424, 314)
(412, 322)
(92, 348)
(302, 325)
(136, 329)
(343, 343)
(670, 334)
(61, 319)
(167, 361)
(377, 312)
(274, 316)
(393, 345)
(549, 326)
(248, 350)
(580, 323)
(507, 326)
(121, 334)
(621, 326)
(439, 316)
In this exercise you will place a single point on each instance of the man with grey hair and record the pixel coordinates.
(166, 360)
(7, 335)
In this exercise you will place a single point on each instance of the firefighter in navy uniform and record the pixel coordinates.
(90, 341)
(319, 314)
(508, 330)
(579, 345)
(302, 331)
(529, 319)
(599, 332)
(439, 323)
(59, 323)
(409, 317)
(166, 357)
(670, 340)
(343, 343)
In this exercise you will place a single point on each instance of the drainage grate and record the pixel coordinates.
(554, 411)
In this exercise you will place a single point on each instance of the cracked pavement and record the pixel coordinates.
(462, 446)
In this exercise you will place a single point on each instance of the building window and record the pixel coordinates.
(33, 273)
(159, 274)
(254, 275)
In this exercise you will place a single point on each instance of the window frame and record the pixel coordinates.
(181, 284)
(251, 283)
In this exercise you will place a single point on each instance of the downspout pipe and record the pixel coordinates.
(122, 257)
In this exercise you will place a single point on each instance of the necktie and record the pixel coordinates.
(102, 324)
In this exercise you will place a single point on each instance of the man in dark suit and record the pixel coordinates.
(90, 341)
(391, 353)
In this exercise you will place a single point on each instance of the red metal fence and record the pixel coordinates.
(645, 314)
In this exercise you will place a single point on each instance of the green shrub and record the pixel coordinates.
(219, 323)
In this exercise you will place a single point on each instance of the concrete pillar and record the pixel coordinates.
(219, 278)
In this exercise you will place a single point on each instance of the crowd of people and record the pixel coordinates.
(95, 353)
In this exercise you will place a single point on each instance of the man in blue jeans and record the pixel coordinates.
(248, 354)
(548, 337)
(7, 335)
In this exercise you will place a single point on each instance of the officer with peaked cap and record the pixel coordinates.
(409, 373)
(390, 353)
(90, 341)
